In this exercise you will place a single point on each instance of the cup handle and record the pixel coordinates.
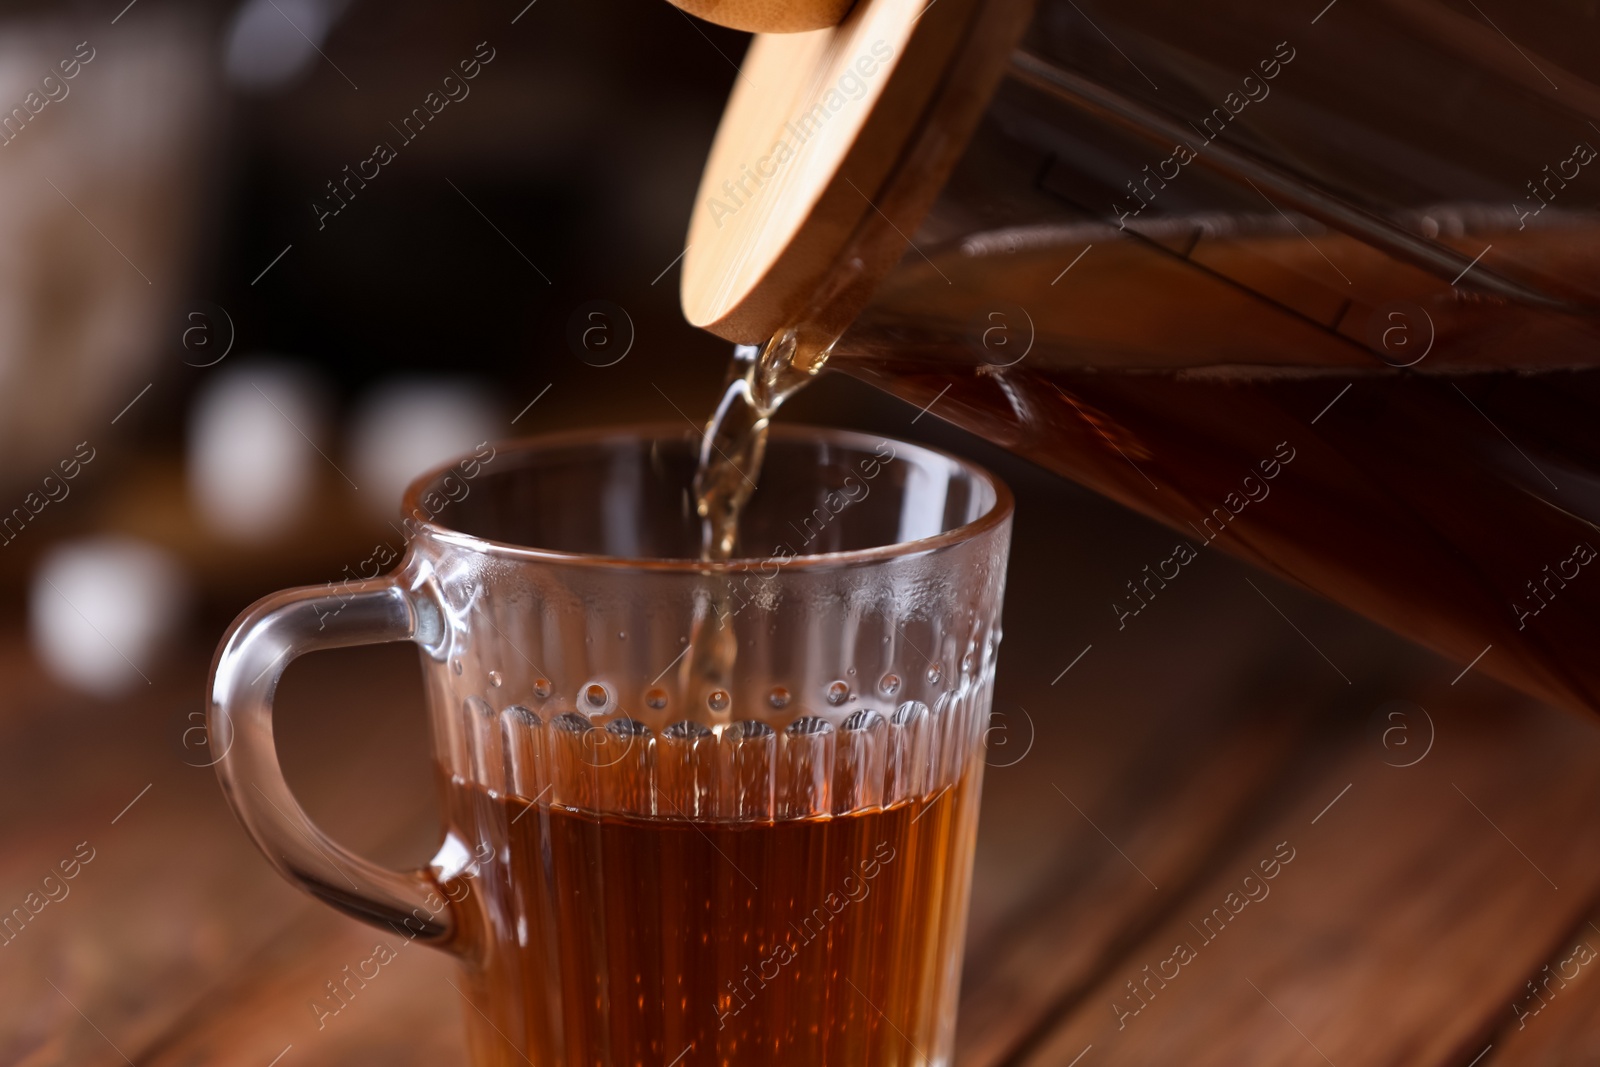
(259, 647)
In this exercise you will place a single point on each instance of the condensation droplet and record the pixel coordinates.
(622, 635)
(967, 663)
(851, 672)
(496, 679)
(595, 695)
(542, 688)
(837, 693)
(656, 698)
(779, 697)
(890, 685)
(718, 700)
(935, 675)
(455, 665)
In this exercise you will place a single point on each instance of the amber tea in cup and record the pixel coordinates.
(696, 812)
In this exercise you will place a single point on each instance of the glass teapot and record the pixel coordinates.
(1315, 284)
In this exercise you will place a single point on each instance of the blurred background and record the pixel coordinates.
(263, 264)
(259, 346)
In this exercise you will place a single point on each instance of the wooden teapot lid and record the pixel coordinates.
(769, 16)
(832, 147)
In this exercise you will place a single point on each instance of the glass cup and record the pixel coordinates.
(696, 813)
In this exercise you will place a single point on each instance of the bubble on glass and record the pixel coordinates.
(655, 697)
(542, 688)
(496, 679)
(779, 697)
(455, 665)
(935, 675)
(596, 695)
(838, 693)
(889, 685)
(718, 700)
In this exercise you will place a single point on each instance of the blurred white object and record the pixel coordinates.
(255, 441)
(272, 42)
(100, 609)
(404, 427)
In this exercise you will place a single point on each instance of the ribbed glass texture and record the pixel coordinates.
(711, 813)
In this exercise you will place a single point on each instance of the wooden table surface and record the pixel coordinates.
(1435, 841)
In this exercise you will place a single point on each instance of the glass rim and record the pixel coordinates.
(999, 511)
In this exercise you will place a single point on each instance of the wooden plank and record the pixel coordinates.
(1142, 707)
(1166, 735)
(175, 895)
(1084, 913)
(280, 1002)
(1412, 908)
